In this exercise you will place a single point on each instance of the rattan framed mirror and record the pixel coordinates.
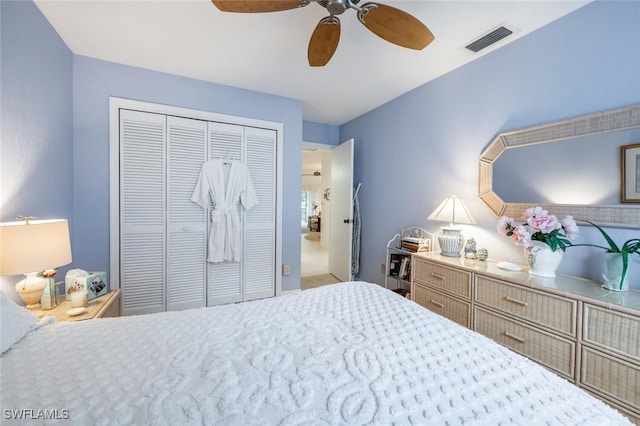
(627, 216)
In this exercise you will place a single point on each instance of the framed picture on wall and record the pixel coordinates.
(630, 176)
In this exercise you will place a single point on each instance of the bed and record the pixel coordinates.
(344, 354)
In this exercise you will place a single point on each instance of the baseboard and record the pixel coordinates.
(285, 292)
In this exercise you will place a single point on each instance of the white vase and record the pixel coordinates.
(614, 273)
(542, 261)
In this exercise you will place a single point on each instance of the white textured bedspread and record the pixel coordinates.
(346, 354)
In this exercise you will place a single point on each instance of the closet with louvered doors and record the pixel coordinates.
(254, 276)
(163, 234)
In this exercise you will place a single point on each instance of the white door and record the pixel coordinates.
(186, 221)
(254, 277)
(142, 214)
(162, 244)
(341, 198)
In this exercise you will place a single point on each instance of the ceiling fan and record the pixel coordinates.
(316, 173)
(391, 24)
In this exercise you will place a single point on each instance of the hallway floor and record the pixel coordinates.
(315, 258)
(314, 269)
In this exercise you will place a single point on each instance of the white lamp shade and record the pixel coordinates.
(34, 247)
(452, 210)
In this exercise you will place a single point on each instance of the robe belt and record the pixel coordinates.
(224, 211)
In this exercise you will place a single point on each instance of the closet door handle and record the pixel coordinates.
(516, 301)
(438, 304)
(514, 337)
(347, 221)
(186, 228)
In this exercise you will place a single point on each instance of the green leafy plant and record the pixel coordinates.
(629, 247)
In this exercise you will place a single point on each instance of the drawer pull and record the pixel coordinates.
(516, 338)
(438, 276)
(438, 304)
(516, 301)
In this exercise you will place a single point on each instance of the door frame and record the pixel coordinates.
(115, 105)
(326, 215)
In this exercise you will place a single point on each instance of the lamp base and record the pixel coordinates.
(451, 241)
(31, 288)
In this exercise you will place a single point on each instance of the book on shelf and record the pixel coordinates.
(415, 247)
(405, 267)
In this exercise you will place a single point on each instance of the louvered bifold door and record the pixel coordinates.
(142, 212)
(259, 234)
(224, 280)
(186, 243)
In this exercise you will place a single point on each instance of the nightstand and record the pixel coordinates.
(104, 306)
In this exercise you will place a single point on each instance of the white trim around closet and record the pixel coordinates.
(115, 105)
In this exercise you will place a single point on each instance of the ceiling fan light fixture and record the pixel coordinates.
(387, 22)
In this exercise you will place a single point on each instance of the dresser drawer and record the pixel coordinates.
(553, 352)
(611, 330)
(448, 279)
(449, 307)
(611, 377)
(548, 310)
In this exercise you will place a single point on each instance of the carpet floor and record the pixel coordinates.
(314, 281)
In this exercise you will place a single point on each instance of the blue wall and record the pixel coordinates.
(95, 80)
(55, 134)
(410, 152)
(36, 153)
(320, 133)
(428, 140)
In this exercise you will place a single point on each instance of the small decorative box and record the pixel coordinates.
(95, 283)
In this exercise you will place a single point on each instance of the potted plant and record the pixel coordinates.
(544, 237)
(617, 259)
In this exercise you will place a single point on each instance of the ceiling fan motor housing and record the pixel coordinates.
(337, 7)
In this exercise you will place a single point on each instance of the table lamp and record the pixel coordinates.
(29, 247)
(451, 210)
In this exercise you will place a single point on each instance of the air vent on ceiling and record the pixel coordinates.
(488, 39)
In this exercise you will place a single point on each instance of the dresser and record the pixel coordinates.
(573, 327)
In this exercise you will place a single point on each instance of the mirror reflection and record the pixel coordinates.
(569, 167)
(583, 170)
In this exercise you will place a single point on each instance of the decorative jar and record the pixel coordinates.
(542, 261)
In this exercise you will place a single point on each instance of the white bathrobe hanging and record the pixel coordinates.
(227, 183)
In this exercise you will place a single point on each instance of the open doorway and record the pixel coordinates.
(315, 220)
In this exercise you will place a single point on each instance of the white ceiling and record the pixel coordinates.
(267, 52)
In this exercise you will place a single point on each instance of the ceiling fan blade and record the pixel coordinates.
(395, 26)
(324, 41)
(257, 6)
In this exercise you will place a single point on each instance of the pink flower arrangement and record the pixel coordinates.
(540, 226)
(49, 273)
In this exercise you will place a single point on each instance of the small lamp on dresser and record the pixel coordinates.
(29, 247)
(452, 210)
